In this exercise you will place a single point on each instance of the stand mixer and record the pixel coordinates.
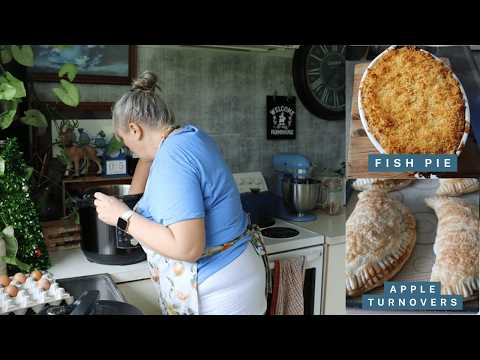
(296, 191)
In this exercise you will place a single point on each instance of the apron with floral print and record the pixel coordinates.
(176, 281)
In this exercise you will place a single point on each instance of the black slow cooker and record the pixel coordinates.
(102, 243)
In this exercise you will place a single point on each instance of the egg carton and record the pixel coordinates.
(30, 296)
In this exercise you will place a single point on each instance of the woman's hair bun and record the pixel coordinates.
(146, 82)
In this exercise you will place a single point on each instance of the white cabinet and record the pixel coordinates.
(141, 294)
(334, 283)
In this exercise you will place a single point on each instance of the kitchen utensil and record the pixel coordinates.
(102, 243)
(301, 196)
(297, 192)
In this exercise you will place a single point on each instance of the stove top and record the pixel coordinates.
(280, 232)
(276, 239)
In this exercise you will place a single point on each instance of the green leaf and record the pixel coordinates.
(34, 118)
(70, 69)
(6, 118)
(23, 54)
(114, 145)
(17, 84)
(28, 172)
(14, 261)
(68, 93)
(2, 166)
(22, 266)
(11, 244)
(7, 91)
(5, 55)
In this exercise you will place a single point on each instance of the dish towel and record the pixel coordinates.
(287, 293)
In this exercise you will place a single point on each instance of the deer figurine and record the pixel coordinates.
(76, 153)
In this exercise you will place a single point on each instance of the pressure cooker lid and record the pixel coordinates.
(119, 191)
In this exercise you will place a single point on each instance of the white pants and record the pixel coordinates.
(237, 289)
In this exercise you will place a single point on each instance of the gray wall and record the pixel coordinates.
(224, 92)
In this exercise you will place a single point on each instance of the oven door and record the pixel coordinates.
(312, 288)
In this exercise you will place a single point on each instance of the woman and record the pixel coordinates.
(201, 252)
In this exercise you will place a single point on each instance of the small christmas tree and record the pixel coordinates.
(17, 209)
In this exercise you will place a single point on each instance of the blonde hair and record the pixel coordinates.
(142, 105)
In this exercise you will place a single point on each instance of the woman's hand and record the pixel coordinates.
(109, 208)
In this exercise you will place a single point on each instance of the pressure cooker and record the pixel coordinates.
(102, 243)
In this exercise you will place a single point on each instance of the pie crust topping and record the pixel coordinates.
(380, 237)
(457, 246)
(413, 104)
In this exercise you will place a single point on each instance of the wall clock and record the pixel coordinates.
(319, 79)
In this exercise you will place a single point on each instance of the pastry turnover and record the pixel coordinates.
(457, 187)
(380, 184)
(456, 246)
(413, 104)
(380, 237)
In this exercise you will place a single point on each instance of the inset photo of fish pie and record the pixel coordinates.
(413, 100)
(412, 230)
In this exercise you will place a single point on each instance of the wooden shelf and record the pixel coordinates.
(91, 179)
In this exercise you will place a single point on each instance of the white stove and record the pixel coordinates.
(304, 239)
(300, 242)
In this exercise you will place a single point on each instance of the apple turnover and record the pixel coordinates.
(380, 237)
(381, 184)
(456, 246)
(457, 187)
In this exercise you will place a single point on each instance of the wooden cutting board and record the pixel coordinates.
(360, 146)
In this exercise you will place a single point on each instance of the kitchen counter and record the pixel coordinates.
(73, 263)
(332, 227)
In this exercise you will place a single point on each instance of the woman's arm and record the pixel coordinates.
(140, 177)
(183, 241)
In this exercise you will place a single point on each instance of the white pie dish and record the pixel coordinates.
(363, 119)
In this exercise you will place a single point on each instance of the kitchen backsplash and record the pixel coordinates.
(225, 94)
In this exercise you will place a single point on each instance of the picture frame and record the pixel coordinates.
(85, 110)
(97, 64)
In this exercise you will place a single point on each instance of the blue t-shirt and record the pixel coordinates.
(189, 179)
